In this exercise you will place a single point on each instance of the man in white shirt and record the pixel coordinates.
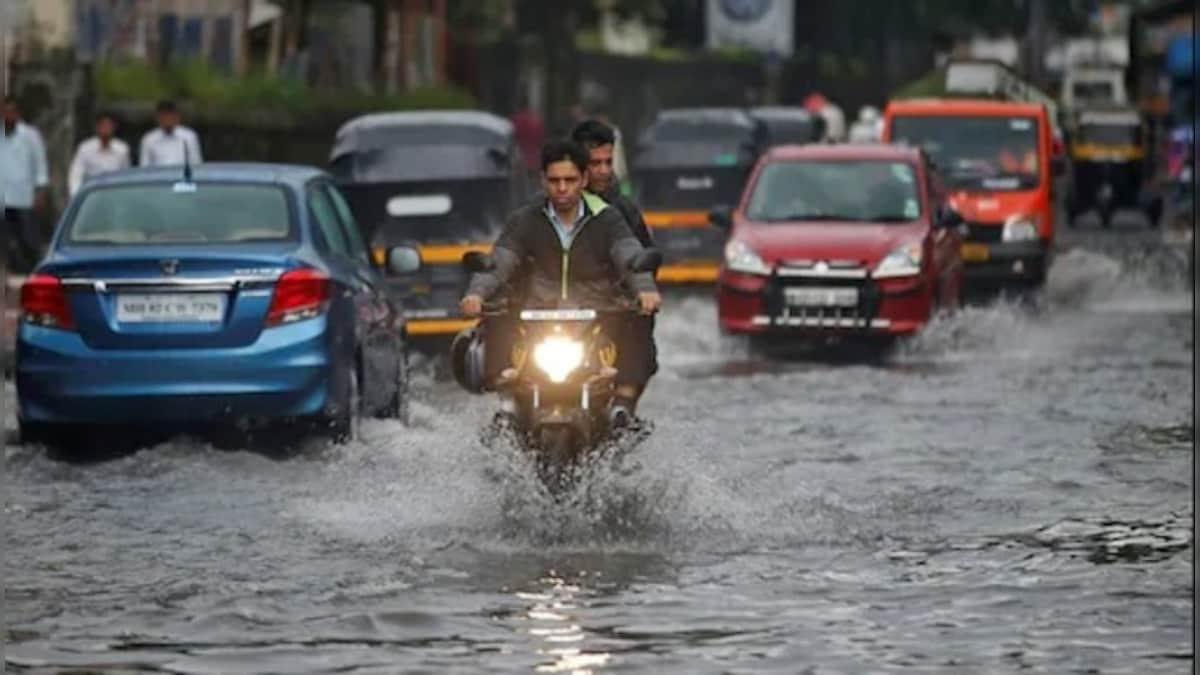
(167, 145)
(23, 182)
(99, 154)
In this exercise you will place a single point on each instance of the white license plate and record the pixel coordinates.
(822, 297)
(170, 307)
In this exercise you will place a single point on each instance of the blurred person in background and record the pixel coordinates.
(530, 132)
(99, 154)
(868, 128)
(23, 182)
(171, 142)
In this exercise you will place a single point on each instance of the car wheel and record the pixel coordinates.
(347, 422)
(399, 408)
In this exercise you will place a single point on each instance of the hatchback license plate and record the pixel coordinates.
(822, 297)
(170, 307)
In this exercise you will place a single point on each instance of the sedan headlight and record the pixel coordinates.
(902, 262)
(739, 257)
(558, 356)
(1022, 228)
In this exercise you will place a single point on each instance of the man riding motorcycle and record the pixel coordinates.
(569, 248)
(599, 139)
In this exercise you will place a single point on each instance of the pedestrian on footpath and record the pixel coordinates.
(23, 184)
(171, 142)
(99, 154)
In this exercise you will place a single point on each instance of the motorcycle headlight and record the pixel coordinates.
(558, 356)
(903, 262)
(739, 257)
(1023, 228)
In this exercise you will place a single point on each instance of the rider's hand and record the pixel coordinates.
(649, 302)
(471, 305)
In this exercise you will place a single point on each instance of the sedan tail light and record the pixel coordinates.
(299, 294)
(44, 302)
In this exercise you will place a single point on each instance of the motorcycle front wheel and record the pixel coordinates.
(556, 457)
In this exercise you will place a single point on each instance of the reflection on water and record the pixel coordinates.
(550, 619)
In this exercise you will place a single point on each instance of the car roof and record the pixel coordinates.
(960, 106)
(781, 112)
(474, 118)
(719, 115)
(845, 151)
(233, 172)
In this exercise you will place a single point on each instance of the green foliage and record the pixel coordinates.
(201, 84)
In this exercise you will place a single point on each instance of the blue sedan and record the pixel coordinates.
(174, 296)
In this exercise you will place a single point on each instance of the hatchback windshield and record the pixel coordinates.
(992, 153)
(852, 190)
(204, 213)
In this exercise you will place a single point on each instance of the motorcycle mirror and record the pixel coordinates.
(649, 260)
(476, 262)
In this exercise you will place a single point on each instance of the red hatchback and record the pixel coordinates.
(852, 240)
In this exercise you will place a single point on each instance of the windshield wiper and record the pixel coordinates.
(892, 218)
(811, 216)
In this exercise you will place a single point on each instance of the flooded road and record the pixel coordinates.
(1010, 492)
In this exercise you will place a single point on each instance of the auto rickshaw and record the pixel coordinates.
(1108, 151)
(688, 161)
(440, 181)
(790, 126)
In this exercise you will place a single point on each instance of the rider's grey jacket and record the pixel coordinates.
(583, 273)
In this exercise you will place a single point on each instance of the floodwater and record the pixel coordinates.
(1010, 492)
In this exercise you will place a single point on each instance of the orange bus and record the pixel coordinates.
(998, 165)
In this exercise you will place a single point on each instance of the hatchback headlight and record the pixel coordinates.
(739, 257)
(558, 357)
(902, 262)
(1021, 228)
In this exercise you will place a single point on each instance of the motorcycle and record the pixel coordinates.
(560, 384)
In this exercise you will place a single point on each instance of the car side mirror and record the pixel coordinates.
(721, 217)
(477, 262)
(403, 260)
(949, 219)
(648, 260)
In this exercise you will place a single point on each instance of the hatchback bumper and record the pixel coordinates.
(900, 307)
(61, 380)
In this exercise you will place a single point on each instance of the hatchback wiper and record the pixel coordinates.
(812, 216)
(892, 218)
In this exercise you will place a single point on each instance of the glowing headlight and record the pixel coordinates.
(558, 356)
(739, 257)
(1020, 229)
(903, 262)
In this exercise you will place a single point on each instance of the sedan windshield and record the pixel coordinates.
(204, 213)
(992, 153)
(849, 190)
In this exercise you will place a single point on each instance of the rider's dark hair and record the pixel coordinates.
(563, 149)
(166, 106)
(593, 133)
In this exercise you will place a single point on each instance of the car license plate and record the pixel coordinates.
(822, 297)
(975, 252)
(170, 307)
